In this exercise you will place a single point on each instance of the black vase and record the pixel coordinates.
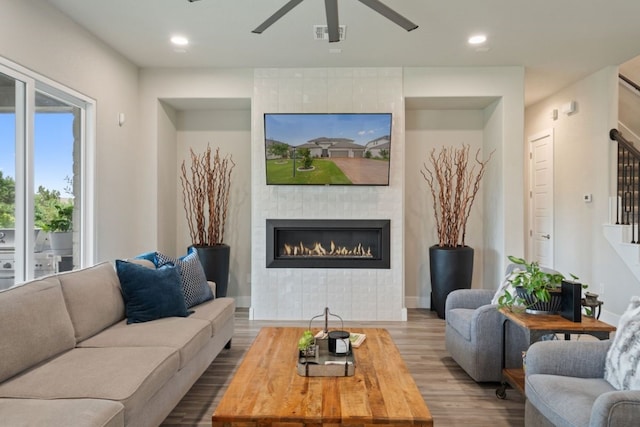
(451, 269)
(215, 262)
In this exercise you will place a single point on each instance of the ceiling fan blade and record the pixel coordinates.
(331, 7)
(279, 14)
(390, 14)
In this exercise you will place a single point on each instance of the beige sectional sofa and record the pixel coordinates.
(68, 358)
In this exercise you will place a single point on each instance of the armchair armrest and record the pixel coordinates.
(616, 409)
(469, 298)
(487, 320)
(582, 359)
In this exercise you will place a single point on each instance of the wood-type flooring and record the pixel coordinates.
(453, 398)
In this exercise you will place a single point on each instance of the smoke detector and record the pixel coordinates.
(321, 32)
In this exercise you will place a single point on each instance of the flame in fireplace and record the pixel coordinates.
(317, 250)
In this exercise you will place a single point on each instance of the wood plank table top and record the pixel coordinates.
(537, 324)
(266, 389)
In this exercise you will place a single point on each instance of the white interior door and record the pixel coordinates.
(541, 198)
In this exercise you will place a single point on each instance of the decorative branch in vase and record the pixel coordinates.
(206, 188)
(454, 184)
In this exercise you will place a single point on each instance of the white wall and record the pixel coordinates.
(37, 36)
(230, 131)
(167, 185)
(168, 132)
(136, 203)
(317, 91)
(503, 186)
(583, 160)
(132, 213)
(157, 140)
(427, 130)
(362, 294)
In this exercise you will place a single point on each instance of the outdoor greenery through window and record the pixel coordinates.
(40, 179)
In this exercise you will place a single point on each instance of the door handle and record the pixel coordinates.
(546, 236)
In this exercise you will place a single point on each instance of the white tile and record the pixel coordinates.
(354, 294)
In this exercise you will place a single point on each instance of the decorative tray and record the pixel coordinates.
(325, 364)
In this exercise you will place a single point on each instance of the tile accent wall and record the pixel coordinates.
(354, 294)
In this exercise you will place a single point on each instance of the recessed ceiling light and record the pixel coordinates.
(477, 39)
(179, 40)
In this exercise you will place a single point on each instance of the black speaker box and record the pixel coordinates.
(571, 306)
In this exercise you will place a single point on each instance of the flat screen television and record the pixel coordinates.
(327, 149)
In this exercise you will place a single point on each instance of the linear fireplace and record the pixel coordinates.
(328, 243)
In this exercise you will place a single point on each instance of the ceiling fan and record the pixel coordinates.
(331, 7)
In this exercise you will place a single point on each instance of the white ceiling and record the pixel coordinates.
(557, 41)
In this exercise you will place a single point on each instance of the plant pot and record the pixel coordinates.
(215, 262)
(61, 242)
(541, 307)
(451, 269)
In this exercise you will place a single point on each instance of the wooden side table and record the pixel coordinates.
(535, 327)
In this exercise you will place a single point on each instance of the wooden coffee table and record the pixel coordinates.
(266, 389)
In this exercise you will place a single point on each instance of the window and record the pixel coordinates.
(44, 159)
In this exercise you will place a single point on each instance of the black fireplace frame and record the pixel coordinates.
(381, 225)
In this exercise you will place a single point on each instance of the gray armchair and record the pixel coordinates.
(565, 386)
(474, 335)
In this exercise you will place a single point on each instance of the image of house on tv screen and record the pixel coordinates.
(327, 149)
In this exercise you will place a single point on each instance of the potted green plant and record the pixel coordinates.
(205, 191)
(59, 226)
(537, 290)
(454, 182)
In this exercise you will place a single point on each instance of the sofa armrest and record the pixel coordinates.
(212, 285)
(468, 298)
(616, 409)
(582, 359)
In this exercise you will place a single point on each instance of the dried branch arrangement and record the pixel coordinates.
(205, 193)
(454, 185)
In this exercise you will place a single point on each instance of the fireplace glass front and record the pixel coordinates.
(297, 243)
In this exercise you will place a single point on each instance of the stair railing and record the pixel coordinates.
(628, 183)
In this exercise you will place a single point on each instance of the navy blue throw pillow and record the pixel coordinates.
(151, 294)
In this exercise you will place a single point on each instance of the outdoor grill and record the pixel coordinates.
(44, 258)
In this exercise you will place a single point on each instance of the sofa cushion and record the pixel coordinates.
(621, 365)
(150, 294)
(565, 401)
(460, 320)
(129, 375)
(217, 312)
(34, 325)
(93, 298)
(187, 336)
(194, 282)
(61, 413)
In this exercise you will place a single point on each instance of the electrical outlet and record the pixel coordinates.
(601, 288)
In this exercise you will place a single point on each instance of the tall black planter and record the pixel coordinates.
(451, 269)
(215, 262)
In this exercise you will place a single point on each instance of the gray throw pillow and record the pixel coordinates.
(194, 282)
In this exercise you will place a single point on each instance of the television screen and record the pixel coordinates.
(327, 149)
